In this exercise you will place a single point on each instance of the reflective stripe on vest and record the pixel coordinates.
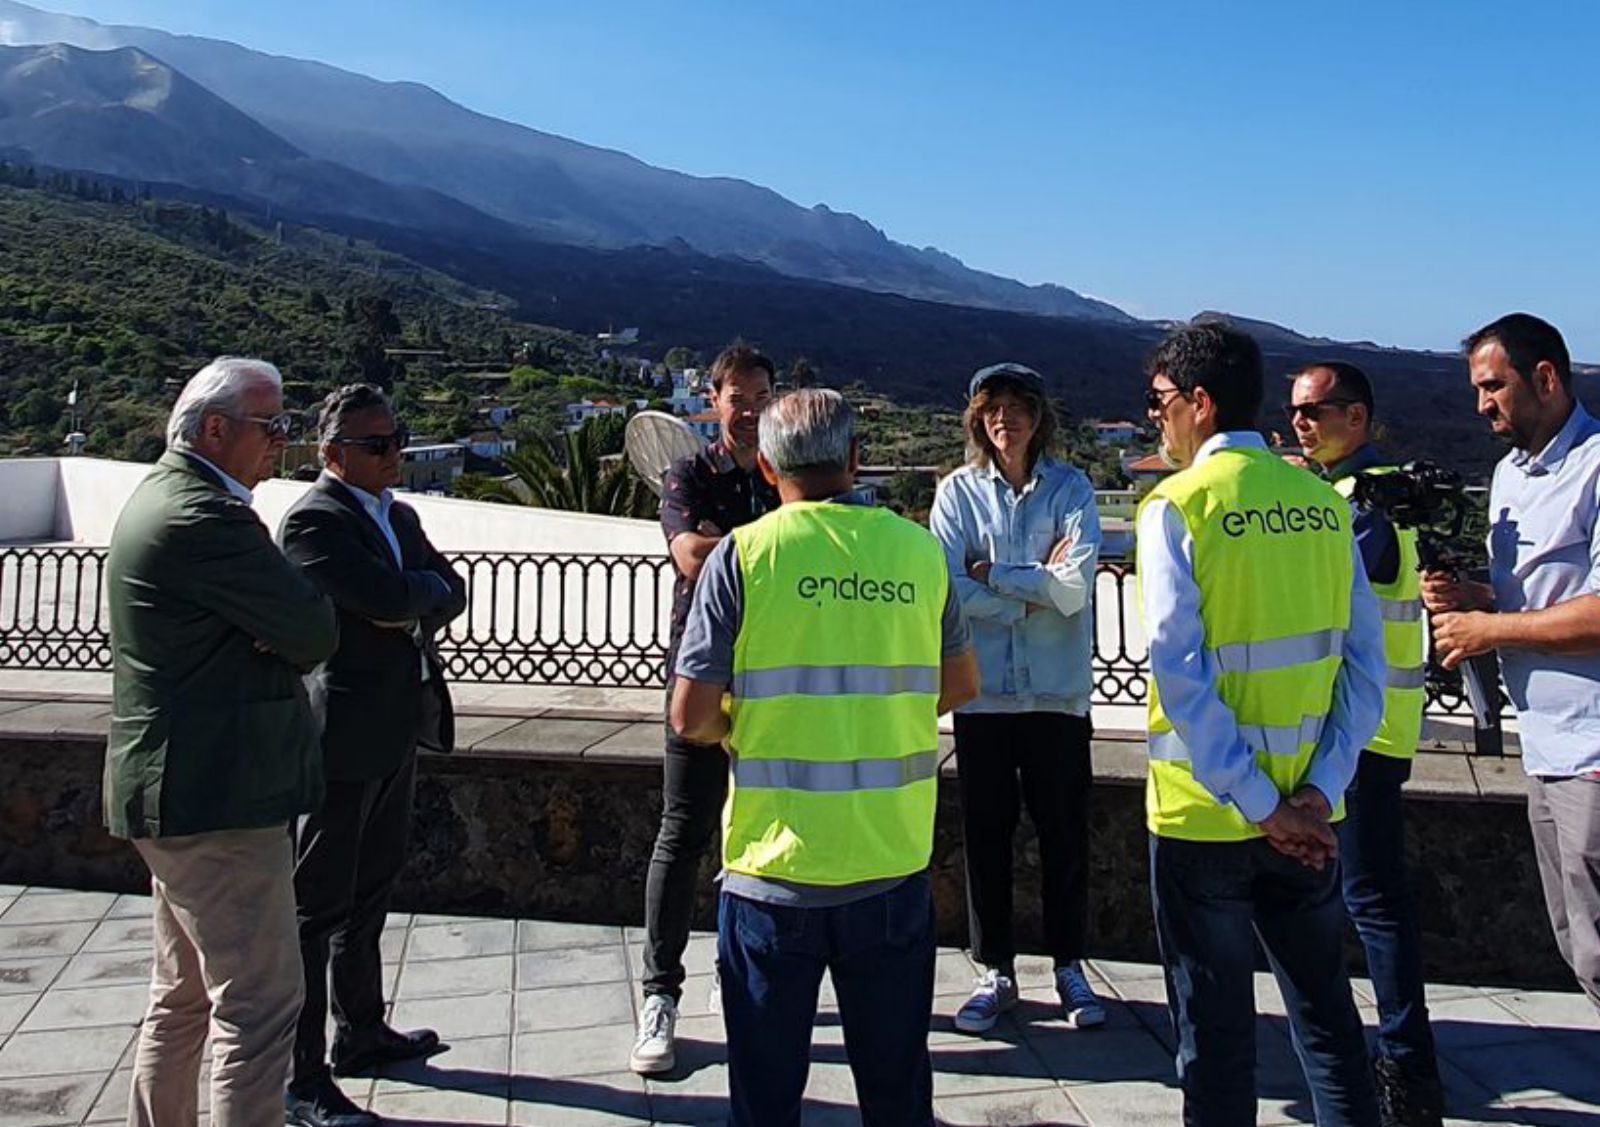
(835, 691)
(1279, 653)
(1404, 646)
(1168, 747)
(859, 774)
(1274, 565)
(836, 681)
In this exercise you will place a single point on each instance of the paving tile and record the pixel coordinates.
(549, 935)
(569, 965)
(112, 1106)
(49, 1100)
(1039, 1105)
(136, 934)
(636, 741)
(551, 738)
(33, 940)
(41, 907)
(443, 1107)
(1115, 970)
(59, 718)
(456, 977)
(574, 1007)
(699, 957)
(965, 1066)
(476, 1015)
(1132, 1103)
(13, 1008)
(1470, 1022)
(473, 730)
(29, 976)
(472, 1064)
(608, 1100)
(392, 944)
(106, 968)
(64, 1051)
(1121, 1050)
(1540, 1069)
(457, 940)
(130, 907)
(1548, 1010)
(599, 1050)
(82, 1009)
(423, 920)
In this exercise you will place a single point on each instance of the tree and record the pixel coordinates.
(583, 484)
(679, 358)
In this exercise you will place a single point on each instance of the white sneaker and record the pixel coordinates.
(1078, 1002)
(994, 994)
(653, 1050)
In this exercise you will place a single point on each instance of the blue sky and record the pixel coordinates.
(1400, 172)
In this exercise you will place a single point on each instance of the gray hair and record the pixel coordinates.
(807, 431)
(341, 404)
(216, 389)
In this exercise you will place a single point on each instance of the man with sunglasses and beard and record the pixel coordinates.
(1331, 411)
(376, 700)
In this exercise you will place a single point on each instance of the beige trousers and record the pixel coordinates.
(227, 962)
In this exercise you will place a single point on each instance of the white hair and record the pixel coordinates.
(216, 389)
(806, 431)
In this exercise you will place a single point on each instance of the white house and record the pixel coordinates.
(585, 409)
(1118, 433)
(489, 444)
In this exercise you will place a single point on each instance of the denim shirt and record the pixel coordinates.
(1030, 662)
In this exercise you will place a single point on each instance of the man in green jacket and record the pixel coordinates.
(212, 750)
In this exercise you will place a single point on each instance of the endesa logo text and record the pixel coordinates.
(1280, 520)
(853, 588)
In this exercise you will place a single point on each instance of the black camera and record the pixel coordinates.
(1433, 501)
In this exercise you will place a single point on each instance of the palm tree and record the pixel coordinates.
(571, 477)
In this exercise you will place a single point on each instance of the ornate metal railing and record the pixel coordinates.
(554, 619)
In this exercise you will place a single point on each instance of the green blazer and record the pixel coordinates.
(211, 629)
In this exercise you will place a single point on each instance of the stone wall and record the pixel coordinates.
(555, 816)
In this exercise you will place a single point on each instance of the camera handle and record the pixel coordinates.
(1480, 675)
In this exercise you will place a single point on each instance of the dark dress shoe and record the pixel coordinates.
(366, 1051)
(320, 1103)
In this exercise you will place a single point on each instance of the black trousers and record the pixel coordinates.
(694, 784)
(347, 857)
(1041, 760)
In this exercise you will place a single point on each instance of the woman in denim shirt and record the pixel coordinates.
(1022, 537)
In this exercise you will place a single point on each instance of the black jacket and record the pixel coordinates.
(369, 700)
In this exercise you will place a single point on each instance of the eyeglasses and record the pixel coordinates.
(1313, 410)
(1157, 398)
(276, 426)
(378, 445)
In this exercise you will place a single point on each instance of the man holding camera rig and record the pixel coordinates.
(1331, 411)
(1541, 610)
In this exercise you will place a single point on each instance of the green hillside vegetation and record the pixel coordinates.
(128, 297)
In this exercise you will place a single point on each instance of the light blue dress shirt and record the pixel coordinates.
(1185, 670)
(1037, 662)
(230, 483)
(1544, 549)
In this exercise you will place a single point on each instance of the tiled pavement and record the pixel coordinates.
(538, 1017)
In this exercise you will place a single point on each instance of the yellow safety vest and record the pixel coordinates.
(1274, 564)
(835, 742)
(1404, 645)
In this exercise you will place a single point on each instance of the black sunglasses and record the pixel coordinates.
(1156, 399)
(378, 445)
(1314, 409)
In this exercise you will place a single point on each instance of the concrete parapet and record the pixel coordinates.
(551, 814)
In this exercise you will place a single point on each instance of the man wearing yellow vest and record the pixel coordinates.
(1267, 671)
(1331, 409)
(832, 627)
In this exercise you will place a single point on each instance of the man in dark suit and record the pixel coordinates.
(212, 750)
(380, 696)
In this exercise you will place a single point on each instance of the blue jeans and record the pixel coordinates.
(880, 953)
(1213, 900)
(1372, 855)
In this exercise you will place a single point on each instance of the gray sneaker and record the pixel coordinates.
(653, 1050)
(1078, 1002)
(994, 994)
